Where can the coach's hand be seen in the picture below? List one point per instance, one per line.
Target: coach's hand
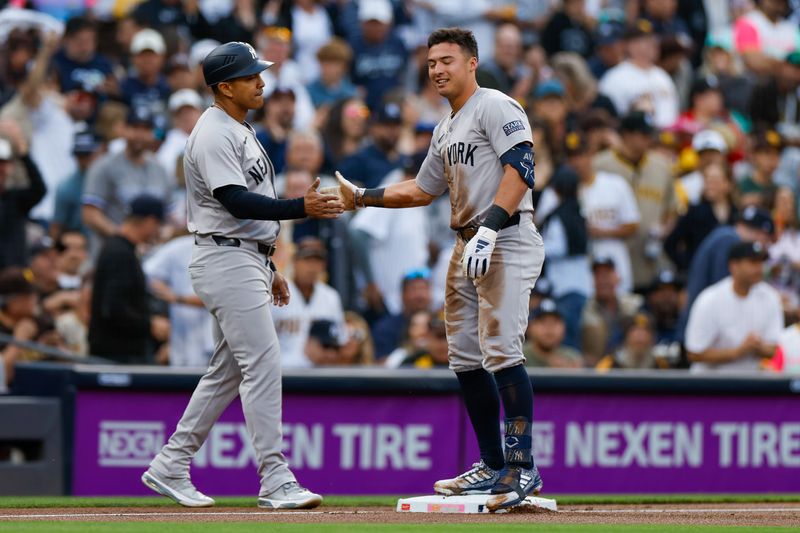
(319, 204)
(478, 253)
(280, 290)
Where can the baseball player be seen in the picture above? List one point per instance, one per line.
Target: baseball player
(483, 153)
(233, 213)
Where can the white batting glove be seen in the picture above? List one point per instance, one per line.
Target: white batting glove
(478, 253)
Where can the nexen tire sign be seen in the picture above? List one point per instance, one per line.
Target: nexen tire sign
(348, 445)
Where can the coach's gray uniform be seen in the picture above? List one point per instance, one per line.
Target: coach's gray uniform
(485, 318)
(235, 285)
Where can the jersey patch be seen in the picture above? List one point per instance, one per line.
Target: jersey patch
(511, 127)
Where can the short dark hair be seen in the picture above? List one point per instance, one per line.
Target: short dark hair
(463, 38)
(78, 24)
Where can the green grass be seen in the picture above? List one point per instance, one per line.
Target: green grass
(255, 527)
(43, 502)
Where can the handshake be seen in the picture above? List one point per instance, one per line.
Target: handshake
(330, 202)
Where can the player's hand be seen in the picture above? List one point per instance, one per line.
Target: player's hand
(319, 204)
(478, 253)
(280, 290)
(346, 192)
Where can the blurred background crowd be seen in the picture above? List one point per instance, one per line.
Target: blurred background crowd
(667, 151)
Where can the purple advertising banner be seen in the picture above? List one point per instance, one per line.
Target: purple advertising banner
(588, 443)
(664, 444)
(334, 444)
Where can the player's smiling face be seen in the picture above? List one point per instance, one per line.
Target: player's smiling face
(247, 92)
(450, 68)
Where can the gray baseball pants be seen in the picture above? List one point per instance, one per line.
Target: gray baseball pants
(236, 287)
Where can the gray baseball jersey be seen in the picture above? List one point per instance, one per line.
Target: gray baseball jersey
(235, 285)
(465, 154)
(485, 318)
(221, 151)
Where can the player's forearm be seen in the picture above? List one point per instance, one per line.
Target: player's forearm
(622, 232)
(98, 221)
(715, 355)
(244, 204)
(511, 191)
(397, 195)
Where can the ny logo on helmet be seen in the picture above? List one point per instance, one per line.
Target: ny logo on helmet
(252, 50)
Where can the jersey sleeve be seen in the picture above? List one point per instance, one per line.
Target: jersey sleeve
(97, 189)
(431, 178)
(701, 331)
(775, 319)
(745, 36)
(505, 124)
(218, 161)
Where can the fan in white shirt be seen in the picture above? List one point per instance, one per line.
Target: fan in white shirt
(736, 322)
(638, 83)
(311, 300)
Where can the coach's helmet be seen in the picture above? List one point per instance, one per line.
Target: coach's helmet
(232, 60)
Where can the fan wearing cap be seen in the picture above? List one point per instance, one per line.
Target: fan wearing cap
(544, 345)
(649, 174)
(380, 54)
(663, 303)
(275, 43)
(711, 148)
(67, 216)
(370, 165)
(605, 314)
(716, 207)
(116, 178)
(608, 203)
(18, 303)
(569, 30)
(710, 263)
(16, 203)
(638, 83)
(758, 189)
(609, 50)
(185, 107)
(636, 350)
(121, 322)
(736, 322)
(146, 86)
(313, 300)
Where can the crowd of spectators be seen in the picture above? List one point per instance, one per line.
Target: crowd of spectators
(667, 141)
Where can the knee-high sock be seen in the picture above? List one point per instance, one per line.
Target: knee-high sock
(482, 401)
(517, 395)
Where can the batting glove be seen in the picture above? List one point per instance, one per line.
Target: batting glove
(478, 253)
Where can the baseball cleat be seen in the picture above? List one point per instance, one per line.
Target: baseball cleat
(478, 480)
(515, 484)
(180, 490)
(290, 496)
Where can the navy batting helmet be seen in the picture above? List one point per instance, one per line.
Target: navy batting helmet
(232, 60)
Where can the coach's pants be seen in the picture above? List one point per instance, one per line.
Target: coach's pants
(235, 286)
(486, 318)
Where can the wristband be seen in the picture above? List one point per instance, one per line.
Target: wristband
(496, 216)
